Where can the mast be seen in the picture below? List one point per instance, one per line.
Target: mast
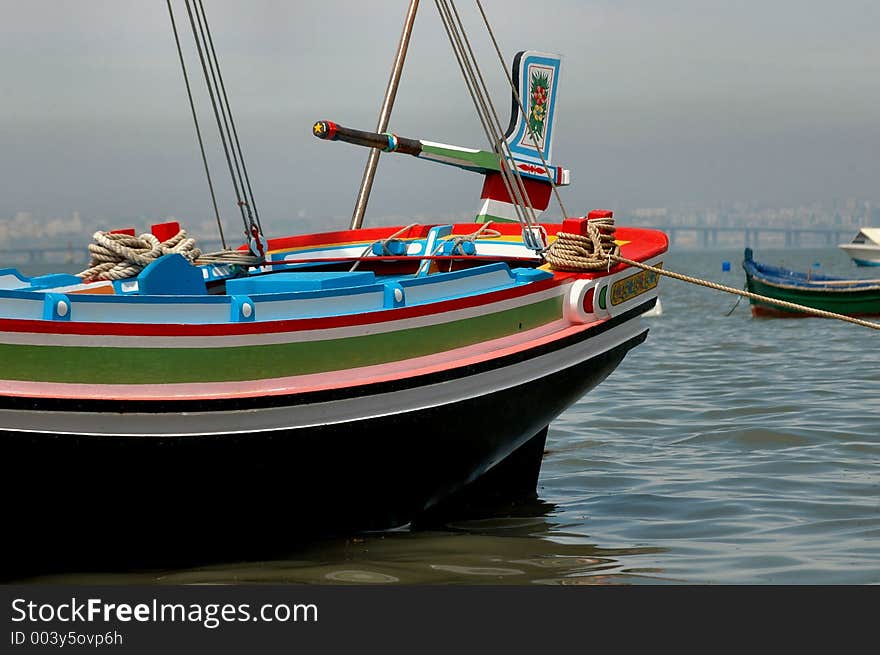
(360, 207)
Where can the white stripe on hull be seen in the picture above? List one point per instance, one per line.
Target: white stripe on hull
(228, 341)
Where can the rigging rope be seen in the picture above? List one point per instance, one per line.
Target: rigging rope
(235, 257)
(226, 110)
(486, 111)
(192, 107)
(597, 250)
(502, 145)
(522, 108)
(217, 117)
(479, 103)
(229, 140)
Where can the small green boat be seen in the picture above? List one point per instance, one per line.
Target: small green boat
(851, 297)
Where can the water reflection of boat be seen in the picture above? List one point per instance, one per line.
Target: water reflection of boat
(522, 548)
(850, 297)
(864, 249)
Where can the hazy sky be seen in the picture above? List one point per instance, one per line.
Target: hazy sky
(661, 102)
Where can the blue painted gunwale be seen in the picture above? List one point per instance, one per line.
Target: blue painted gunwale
(200, 309)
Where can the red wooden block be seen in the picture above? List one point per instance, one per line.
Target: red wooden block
(600, 213)
(575, 226)
(164, 231)
(125, 230)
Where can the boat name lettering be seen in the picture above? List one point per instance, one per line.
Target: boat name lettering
(634, 285)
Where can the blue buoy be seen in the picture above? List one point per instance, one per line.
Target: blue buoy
(725, 267)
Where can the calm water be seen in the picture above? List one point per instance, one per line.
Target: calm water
(726, 449)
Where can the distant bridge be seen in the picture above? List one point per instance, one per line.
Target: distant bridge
(708, 236)
(67, 254)
(681, 235)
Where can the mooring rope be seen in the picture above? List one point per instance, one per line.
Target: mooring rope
(746, 294)
(575, 252)
(117, 256)
(597, 251)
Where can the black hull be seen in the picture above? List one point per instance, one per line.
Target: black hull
(128, 500)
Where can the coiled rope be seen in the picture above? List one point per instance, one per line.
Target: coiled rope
(597, 251)
(117, 256)
(576, 252)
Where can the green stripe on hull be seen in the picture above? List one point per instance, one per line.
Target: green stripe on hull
(864, 303)
(94, 365)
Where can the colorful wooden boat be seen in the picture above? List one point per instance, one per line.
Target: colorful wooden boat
(850, 297)
(864, 249)
(349, 400)
(354, 380)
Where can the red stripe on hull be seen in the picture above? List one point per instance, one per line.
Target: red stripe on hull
(293, 325)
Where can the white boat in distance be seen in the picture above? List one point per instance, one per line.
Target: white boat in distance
(864, 249)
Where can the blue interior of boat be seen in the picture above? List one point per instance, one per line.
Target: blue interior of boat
(171, 275)
(172, 290)
(288, 281)
(10, 278)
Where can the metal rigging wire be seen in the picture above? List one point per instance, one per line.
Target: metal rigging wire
(502, 142)
(480, 105)
(522, 108)
(487, 113)
(196, 121)
(216, 113)
(230, 128)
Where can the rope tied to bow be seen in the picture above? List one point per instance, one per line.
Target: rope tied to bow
(597, 250)
(590, 252)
